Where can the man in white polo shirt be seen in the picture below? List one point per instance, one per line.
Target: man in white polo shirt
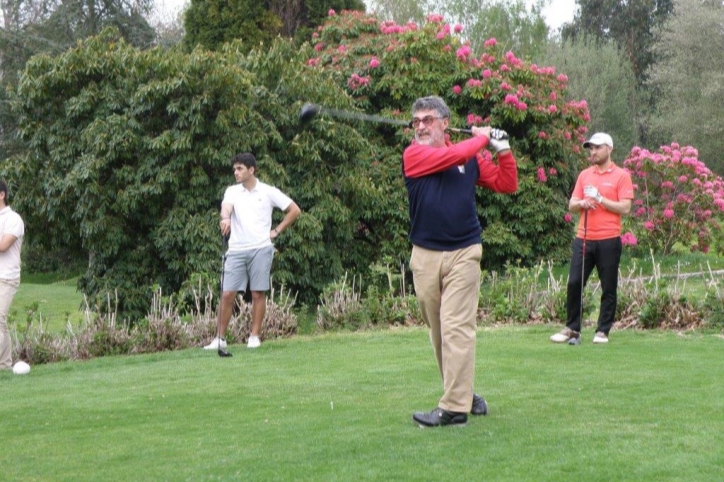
(246, 217)
(12, 230)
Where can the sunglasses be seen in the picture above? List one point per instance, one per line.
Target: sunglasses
(427, 120)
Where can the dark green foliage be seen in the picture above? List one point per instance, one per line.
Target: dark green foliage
(411, 62)
(134, 152)
(211, 23)
(129, 154)
(630, 23)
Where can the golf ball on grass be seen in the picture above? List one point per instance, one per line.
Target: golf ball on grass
(21, 368)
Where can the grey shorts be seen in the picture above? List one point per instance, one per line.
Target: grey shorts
(252, 267)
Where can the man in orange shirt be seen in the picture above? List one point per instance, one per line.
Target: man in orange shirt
(603, 193)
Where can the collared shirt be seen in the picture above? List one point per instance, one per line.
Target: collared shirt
(441, 185)
(613, 184)
(11, 223)
(251, 217)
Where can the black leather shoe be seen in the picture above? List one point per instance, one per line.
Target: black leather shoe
(439, 418)
(480, 406)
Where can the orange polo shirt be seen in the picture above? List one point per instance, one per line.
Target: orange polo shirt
(613, 184)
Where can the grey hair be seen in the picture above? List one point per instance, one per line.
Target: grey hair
(432, 103)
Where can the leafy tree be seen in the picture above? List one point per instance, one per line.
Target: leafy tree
(387, 66)
(517, 25)
(48, 26)
(211, 23)
(600, 73)
(629, 22)
(134, 147)
(688, 79)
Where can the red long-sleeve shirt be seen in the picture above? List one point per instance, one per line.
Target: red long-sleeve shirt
(441, 184)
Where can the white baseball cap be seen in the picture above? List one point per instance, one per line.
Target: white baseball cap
(599, 139)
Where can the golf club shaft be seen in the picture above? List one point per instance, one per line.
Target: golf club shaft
(376, 118)
(583, 261)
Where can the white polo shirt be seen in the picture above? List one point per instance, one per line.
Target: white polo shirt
(11, 223)
(251, 217)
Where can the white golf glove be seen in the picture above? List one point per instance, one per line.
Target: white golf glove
(499, 140)
(592, 192)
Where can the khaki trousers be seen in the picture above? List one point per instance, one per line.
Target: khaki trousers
(8, 287)
(447, 285)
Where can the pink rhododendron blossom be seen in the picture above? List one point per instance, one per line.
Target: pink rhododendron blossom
(319, 47)
(568, 217)
(463, 52)
(683, 178)
(628, 239)
(458, 28)
(668, 213)
(541, 174)
(487, 73)
(504, 68)
(435, 18)
(490, 42)
(457, 89)
(313, 62)
(374, 63)
(521, 106)
(510, 99)
(341, 49)
(542, 135)
(331, 13)
(552, 109)
(640, 212)
(562, 78)
(356, 81)
(649, 225)
(506, 86)
(553, 171)
(553, 96)
(474, 120)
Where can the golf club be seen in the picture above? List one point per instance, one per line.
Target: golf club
(577, 340)
(310, 111)
(222, 353)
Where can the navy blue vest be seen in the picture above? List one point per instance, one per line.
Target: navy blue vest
(443, 214)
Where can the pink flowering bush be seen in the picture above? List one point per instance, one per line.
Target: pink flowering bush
(679, 202)
(492, 86)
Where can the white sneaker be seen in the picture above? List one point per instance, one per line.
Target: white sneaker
(600, 338)
(214, 345)
(254, 342)
(565, 336)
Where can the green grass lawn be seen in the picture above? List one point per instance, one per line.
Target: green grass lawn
(53, 301)
(646, 407)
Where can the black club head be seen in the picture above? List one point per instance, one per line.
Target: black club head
(308, 112)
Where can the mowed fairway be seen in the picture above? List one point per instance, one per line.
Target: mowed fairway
(649, 406)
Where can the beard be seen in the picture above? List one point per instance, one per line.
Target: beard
(430, 138)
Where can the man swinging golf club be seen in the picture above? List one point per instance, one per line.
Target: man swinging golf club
(246, 217)
(602, 194)
(441, 180)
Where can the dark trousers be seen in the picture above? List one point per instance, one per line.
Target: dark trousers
(605, 256)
